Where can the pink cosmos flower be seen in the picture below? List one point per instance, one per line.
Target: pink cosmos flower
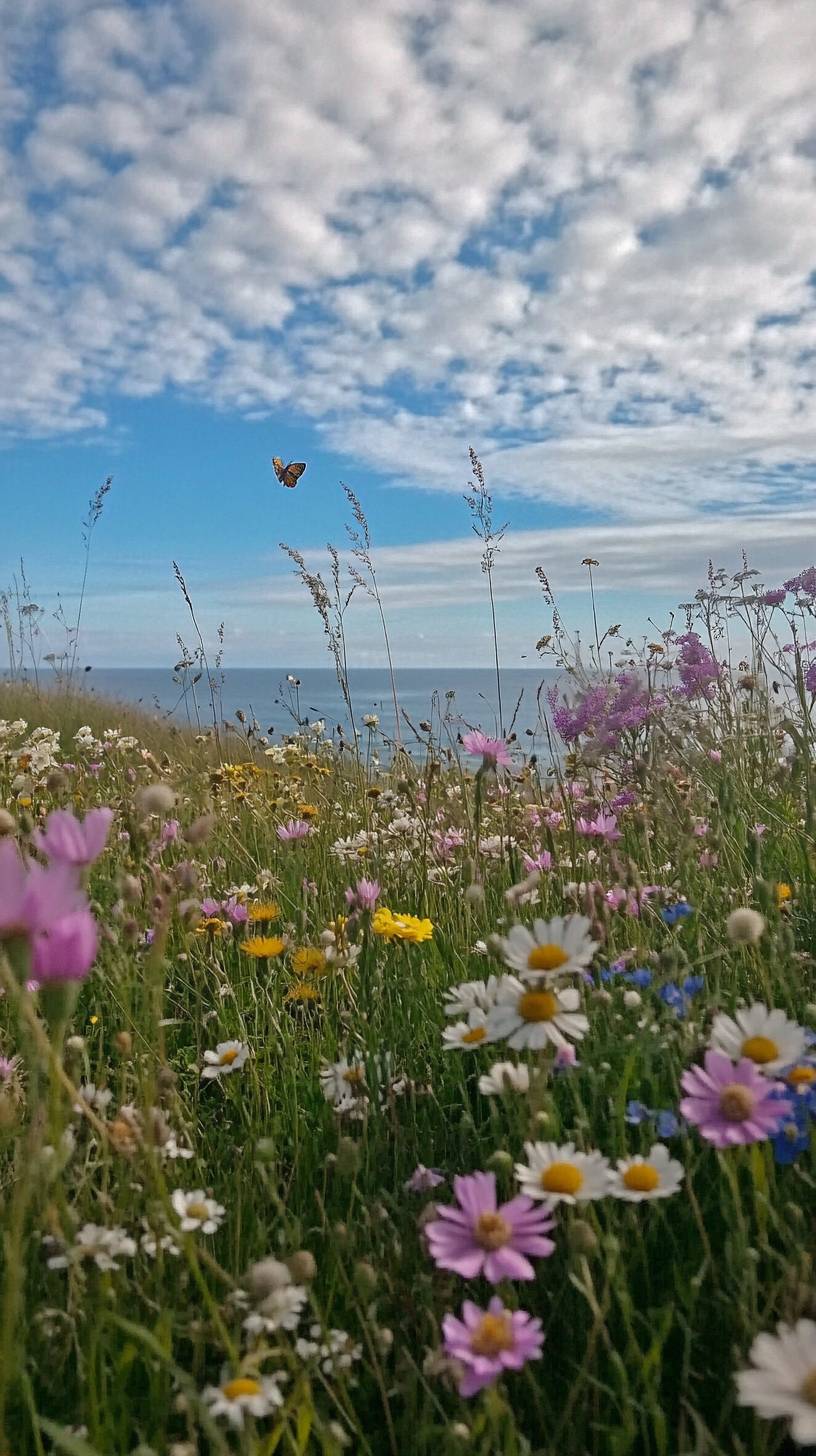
(72, 841)
(293, 830)
(488, 1342)
(364, 895)
(477, 1237)
(492, 751)
(541, 861)
(34, 896)
(732, 1103)
(423, 1179)
(67, 950)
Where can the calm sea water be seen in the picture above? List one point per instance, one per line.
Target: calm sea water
(465, 697)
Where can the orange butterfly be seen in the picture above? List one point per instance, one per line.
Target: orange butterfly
(290, 474)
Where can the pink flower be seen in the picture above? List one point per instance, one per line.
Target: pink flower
(33, 896)
(603, 826)
(69, 840)
(566, 1058)
(715, 755)
(701, 828)
(554, 819)
(235, 911)
(477, 1237)
(732, 1103)
(423, 1179)
(541, 861)
(758, 830)
(488, 1342)
(364, 896)
(294, 829)
(169, 832)
(493, 751)
(709, 859)
(67, 950)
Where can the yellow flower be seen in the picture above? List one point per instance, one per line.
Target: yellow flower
(309, 960)
(264, 910)
(212, 925)
(303, 992)
(783, 893)
(264, 947)
(308, 811)
(401, 926)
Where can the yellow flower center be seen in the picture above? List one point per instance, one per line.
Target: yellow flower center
(353, 1075)
(491, 1231)
(783, 893)
(641, 1178)
(538, 1006)
(227, 1058)
(197, 1210)
(493, 1333)
(561, 1178)
(801, 1076)
(807, 1390)
(546, 958)
(760, 1049)
(475, 1034)
(234, 1389)
(736, 1102)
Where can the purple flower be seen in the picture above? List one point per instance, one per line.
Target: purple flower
(364, 895)
(810, 678)
(732, 1103)
(541, 861)
(566, 1058)
(606, 711)
(699, 670)
(804, 584)
(715, 755)
(169, 832)
(67, 950)
(293, 830)
(774, 597)
(603, 826)
(235, 911)
(492, 751)
(423, 1179)
(72, 841)
(488, 1342)
(477, 1237)
(34, 896)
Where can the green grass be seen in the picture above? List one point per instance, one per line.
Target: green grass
(648, 1309)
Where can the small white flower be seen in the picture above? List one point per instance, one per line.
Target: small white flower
(229, 1056)
(150, 1244)
(782, 1381)
(554, 947)
(563, 1175)
(631, 1000)
(527, 1017)
(245, 1395)
(462, 999)
(343, 1080)
(197, 1211)
(280, 1310)
(658, 1175)
(467, 1035)
(505, 1077)
(172, 1148)
(336, 1352)
(94, 1243)
(767, 1038)
(92, 1096)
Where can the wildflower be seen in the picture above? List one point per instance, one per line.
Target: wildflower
(197, 1211)
(69, 840)
(562, 946)
(467, 1035)
(637, 1179)
(783, 894)
(462, 998)
(245, 1396)
(505, 1077)
(280, 1309)
(343, 1079)
(33, 897)
(745, 926)
(731, 1104)
(98, 1245)
(698, 670)
(679, 998)
(667, 1123)
(479, 1237)
(337, 1353)
(229, 1056)
(792, 1137)
(293, 830)
(485, 1343)
(565, 1058)
(302, 993)
(262, 911)
(66, 950)
(541, 861)
(531, 1018)
(782, 1380)
(636, 1113)
(92, 1096)
(766, 1038)
(401, 927)
(671, 914)
(364, 895)
(492, 751)
(155, 799)
(603, 826)
(309, 960)
(370, 720)
(632, 999)
(264, 947)
(423, 1179)
(562, 1175)
(152, 1244)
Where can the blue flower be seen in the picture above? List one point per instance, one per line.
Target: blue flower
(793, 1135)
(637, 1112)
(677, 997)
(640, 978)
(672, 913)
(667, 1124)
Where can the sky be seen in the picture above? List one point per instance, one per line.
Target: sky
(576, 235)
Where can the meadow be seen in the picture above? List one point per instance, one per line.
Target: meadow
(459, 1105)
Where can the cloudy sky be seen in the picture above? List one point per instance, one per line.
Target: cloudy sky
(579, 235)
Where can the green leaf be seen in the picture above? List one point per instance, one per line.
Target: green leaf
(64, 1441)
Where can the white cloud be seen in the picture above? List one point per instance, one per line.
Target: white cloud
(578, 234)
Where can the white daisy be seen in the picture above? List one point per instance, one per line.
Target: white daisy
(766, 1037)
(782, 1381)
(467, 1035)
(343, 1079)
(92, 1096)
(245, 1395)
(197, 1211)
(95, 1243)
(561, 946)
(526, 1017)
(658, 1175)
(563, 1175)
(505, 1077)
(228, 1057)
(463, 998)
(280, 1310)
(150, 1244)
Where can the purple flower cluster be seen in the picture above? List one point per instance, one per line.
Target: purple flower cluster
(699, 670)
(605, 712)
(804, 584)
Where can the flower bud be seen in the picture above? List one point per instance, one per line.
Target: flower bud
(302, 1266)
(266, 1276)
(123, 1042)
(582, 1237)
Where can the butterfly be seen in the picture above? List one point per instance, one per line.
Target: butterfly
(290, 474)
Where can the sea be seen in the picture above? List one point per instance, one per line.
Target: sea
(452, 700)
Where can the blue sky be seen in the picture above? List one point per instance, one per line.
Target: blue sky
(578, 236)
